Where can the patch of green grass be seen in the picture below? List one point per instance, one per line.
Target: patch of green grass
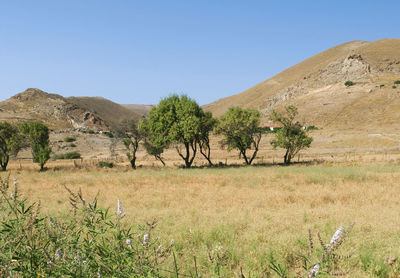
(69, 139)
(69, 155)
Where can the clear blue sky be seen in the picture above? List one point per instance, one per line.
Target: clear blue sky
(140, 51)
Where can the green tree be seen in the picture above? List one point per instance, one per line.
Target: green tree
(153, 149)
(37, 135)
(132, 136)
(292, 136)
(176, 120)
(241, 128)
(10, 143)
(207, 124)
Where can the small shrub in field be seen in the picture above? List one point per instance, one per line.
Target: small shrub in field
(69, 155)
(394, 87)
(397, 82)
(349, 83)
(69, 139)
(104, 164)
(91, 131)
(109, 134)
(72, 145)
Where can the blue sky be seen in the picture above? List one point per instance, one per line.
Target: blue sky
(141, 51)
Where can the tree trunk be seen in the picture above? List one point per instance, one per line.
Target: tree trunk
(206, 155)
(133, 162)
(158, 157)
(4, 167)
(287, 157)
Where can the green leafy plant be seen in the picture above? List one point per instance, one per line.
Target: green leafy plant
(397, 82)
(349, 83)
(69, 139)
(241, 130)
(11, 143)
(105, 164)
(292, 136)
(69, 155)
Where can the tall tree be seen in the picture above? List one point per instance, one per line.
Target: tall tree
(291, 136)
(132, 136)
(37, 135)
(155, 149)
(207, 124)
(176, 120)
(10, 143)
(241, 128)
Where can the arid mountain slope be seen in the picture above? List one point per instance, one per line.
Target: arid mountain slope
(111, 112)
(62, 113)
(141, 109)
(316, 86)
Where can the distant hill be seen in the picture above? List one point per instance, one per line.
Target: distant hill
(62, 113)
(317, 87)
(141, 109)
(111, 112)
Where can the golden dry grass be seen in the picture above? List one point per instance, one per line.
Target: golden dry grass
(250, 211)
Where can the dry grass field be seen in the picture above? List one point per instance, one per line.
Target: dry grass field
(248, 214)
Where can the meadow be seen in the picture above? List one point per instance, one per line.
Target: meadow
(253, 220)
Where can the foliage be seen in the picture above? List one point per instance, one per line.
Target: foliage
(349, 83)
(241, 128)
(207, 124)
(72, 145)
(291, 136)
(91, 242)
(69, 155)
(109, 134)
(10, 143)
(132, 136)
(37, 135)
(397, 82)
(69, 139)
(105, 164)
(176, 120)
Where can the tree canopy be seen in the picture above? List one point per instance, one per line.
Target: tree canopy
(176, 120)
(37, 135)
(291, 136)
(241, 128)
(10, 143)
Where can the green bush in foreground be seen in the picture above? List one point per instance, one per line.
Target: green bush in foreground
(93, 242)
(349, 83)
(70, 155)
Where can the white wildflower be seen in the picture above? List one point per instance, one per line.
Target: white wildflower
(15, 193)
(337, 236)
(314, 271)
(120, 211)
(129, 243)
(158, 250)
(52, 221)
(146, 239)
(59, 254)
(172, 242)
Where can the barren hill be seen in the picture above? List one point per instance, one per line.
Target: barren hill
(316, 86)
(111, 112)
(141, 109)
(61, 113)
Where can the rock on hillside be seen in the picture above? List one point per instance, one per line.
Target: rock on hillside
(316, 86)
(61, 113)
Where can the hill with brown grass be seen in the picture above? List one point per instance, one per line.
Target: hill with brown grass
(317, 87)
(63, 113)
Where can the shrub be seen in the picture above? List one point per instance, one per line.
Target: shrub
(89, 242)
(69, 155)
(394, 87)
(109, 134)
(105, 164)
(72, 145)
(397, 82)
(90, 131)
(69, 139)
(349, 83)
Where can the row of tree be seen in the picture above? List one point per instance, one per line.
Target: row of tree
(180, 122)
(14, 138)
